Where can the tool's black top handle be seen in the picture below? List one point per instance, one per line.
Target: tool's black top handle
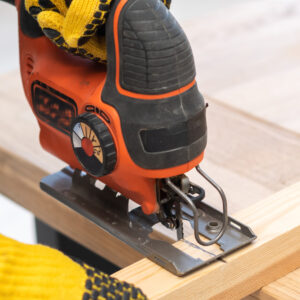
(10, 1)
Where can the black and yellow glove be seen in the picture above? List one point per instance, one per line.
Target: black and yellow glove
(41, 273)
(73, 28)
(76, 27)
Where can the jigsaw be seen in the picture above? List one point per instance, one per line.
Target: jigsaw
(137, 125)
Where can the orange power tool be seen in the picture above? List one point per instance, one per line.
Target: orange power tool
(137, 125)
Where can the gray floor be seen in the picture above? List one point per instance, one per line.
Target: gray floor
(15, 221)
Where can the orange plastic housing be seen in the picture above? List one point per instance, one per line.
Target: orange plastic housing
(83, 80)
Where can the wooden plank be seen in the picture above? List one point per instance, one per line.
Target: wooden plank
(247, 56)
(19, 180)
(286, 288)
(275, 253)
(259, 150)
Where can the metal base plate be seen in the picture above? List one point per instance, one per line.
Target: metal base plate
(110, 211)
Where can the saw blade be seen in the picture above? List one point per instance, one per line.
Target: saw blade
(180, 232)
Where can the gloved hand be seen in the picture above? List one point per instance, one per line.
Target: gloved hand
(41, 273)
(75, 28)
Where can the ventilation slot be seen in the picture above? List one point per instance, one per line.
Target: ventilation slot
(29, 65)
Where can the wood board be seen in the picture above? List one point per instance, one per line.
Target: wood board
(286, 288)
(275, 253)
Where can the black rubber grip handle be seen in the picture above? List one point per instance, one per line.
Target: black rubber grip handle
(9, 1)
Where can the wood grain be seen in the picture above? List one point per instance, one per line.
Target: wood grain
(286, 288)
(275, 253)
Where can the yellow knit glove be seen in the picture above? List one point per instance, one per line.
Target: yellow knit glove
(41, 273)
(75, 28)
(167, 3)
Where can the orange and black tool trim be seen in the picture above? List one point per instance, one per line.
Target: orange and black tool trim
(146, 98)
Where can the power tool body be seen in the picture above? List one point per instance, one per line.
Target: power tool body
(137, 125)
